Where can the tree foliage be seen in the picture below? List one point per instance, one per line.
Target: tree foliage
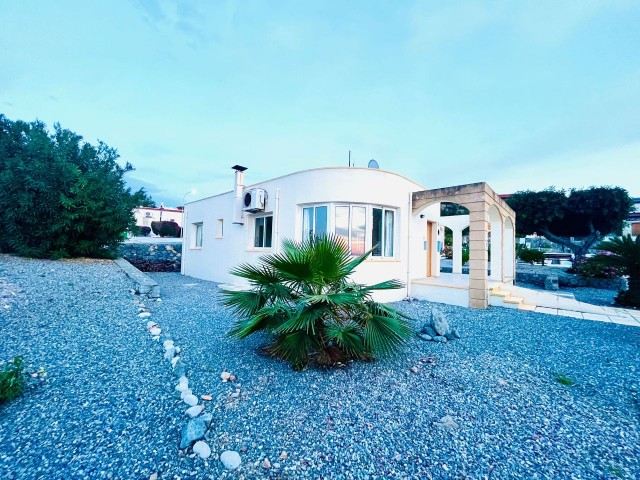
(304, 298)
(588, 214)
(61, 196)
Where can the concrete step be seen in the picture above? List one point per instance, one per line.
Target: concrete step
(526, 307)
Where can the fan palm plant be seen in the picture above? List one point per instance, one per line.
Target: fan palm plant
(304, 298)
(624, 253)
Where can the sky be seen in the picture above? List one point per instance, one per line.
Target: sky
(519, 94)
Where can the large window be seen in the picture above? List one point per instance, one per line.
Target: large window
(262, 232)
(351, 226)
(314, 222)
(382, 231)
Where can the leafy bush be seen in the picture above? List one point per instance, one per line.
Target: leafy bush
(12, 380)
(61, 196)
(145, 231)
(597, 267)
(166, 229)
(623, 253)
(531, 255)
(304, 298)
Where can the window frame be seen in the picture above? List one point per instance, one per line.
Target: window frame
(197, 240)
(254, 237)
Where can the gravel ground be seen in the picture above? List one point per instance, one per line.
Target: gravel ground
(109, 408)
(106, 409)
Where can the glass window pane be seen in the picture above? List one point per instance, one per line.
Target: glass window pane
(259, 232)
(388, 233)
(358, 232)
(267, 231)
(307, 223)
(376, 232)
(321, 221)
(342, 224)
(198, 235)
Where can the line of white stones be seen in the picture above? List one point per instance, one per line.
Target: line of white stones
(229, 458)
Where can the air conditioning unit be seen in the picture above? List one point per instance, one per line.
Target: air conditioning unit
(147, 214)
(254, 200)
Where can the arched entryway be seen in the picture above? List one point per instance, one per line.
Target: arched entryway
(487, 213)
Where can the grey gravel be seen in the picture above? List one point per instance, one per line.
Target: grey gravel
(495, 389)
(106, 409)
(377, 420)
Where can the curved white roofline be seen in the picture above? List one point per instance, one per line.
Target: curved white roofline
(313, 170)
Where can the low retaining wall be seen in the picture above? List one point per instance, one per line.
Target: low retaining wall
(536, 275)
(153, 257)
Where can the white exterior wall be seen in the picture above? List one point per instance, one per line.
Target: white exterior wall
(286, 197)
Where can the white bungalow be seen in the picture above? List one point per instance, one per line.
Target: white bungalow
(369, 208)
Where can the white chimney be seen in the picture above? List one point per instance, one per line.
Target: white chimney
(238, 189)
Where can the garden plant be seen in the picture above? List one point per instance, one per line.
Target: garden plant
(304, 298)
(624, 255)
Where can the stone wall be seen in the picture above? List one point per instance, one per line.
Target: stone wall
(153, 257)
(537, 274)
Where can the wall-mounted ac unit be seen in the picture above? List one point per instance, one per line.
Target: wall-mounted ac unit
(254, 200)
(147, 214)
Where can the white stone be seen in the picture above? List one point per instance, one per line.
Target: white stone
(230, 459)
(167, 344)
(169, 354)
(183, 379)
(181, 387)
(194, 411)
(155, 331)
(151, 324)
(201, 449)
(144, 314)
(225, 376)
(186, 392)
(190, 400)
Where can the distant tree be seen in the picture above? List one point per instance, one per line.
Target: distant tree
(586, 215)
(143, 199)
(59, 195)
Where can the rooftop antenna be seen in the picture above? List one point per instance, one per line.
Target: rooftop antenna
(373, 164)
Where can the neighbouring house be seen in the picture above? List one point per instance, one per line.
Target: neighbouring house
(145, 215)
(633, 219)
(370, 209)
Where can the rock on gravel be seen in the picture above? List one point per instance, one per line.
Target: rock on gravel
(230, 459)
(194, 430)
(201, 449)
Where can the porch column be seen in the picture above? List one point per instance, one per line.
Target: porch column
(478, 256)
(457, 250)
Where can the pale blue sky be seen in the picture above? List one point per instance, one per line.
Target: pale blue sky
(520, 94)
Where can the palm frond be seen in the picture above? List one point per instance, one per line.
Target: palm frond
(295, 348)
(348, 337)
(256, 274)
(386, 285)
(384, 332)
(303, 317)
(244, 302)
(267, 318)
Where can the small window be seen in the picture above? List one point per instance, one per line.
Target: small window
(314, 222)
(220, 228)
(382, 232)
(635, 229)
(262, 232)
(197, 235)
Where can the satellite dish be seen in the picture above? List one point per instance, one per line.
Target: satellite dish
(373, 164)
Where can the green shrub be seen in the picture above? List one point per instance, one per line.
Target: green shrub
(166, 229)
(12, 380)
(597, 267)
(61, 196)
(531, 255)
(623, 254)
(305, 300)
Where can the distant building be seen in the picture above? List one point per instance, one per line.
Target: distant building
(634, 219)
(145, 215)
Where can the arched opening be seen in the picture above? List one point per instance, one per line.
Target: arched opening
(455, 218)
(495, 244)
(509, 255)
